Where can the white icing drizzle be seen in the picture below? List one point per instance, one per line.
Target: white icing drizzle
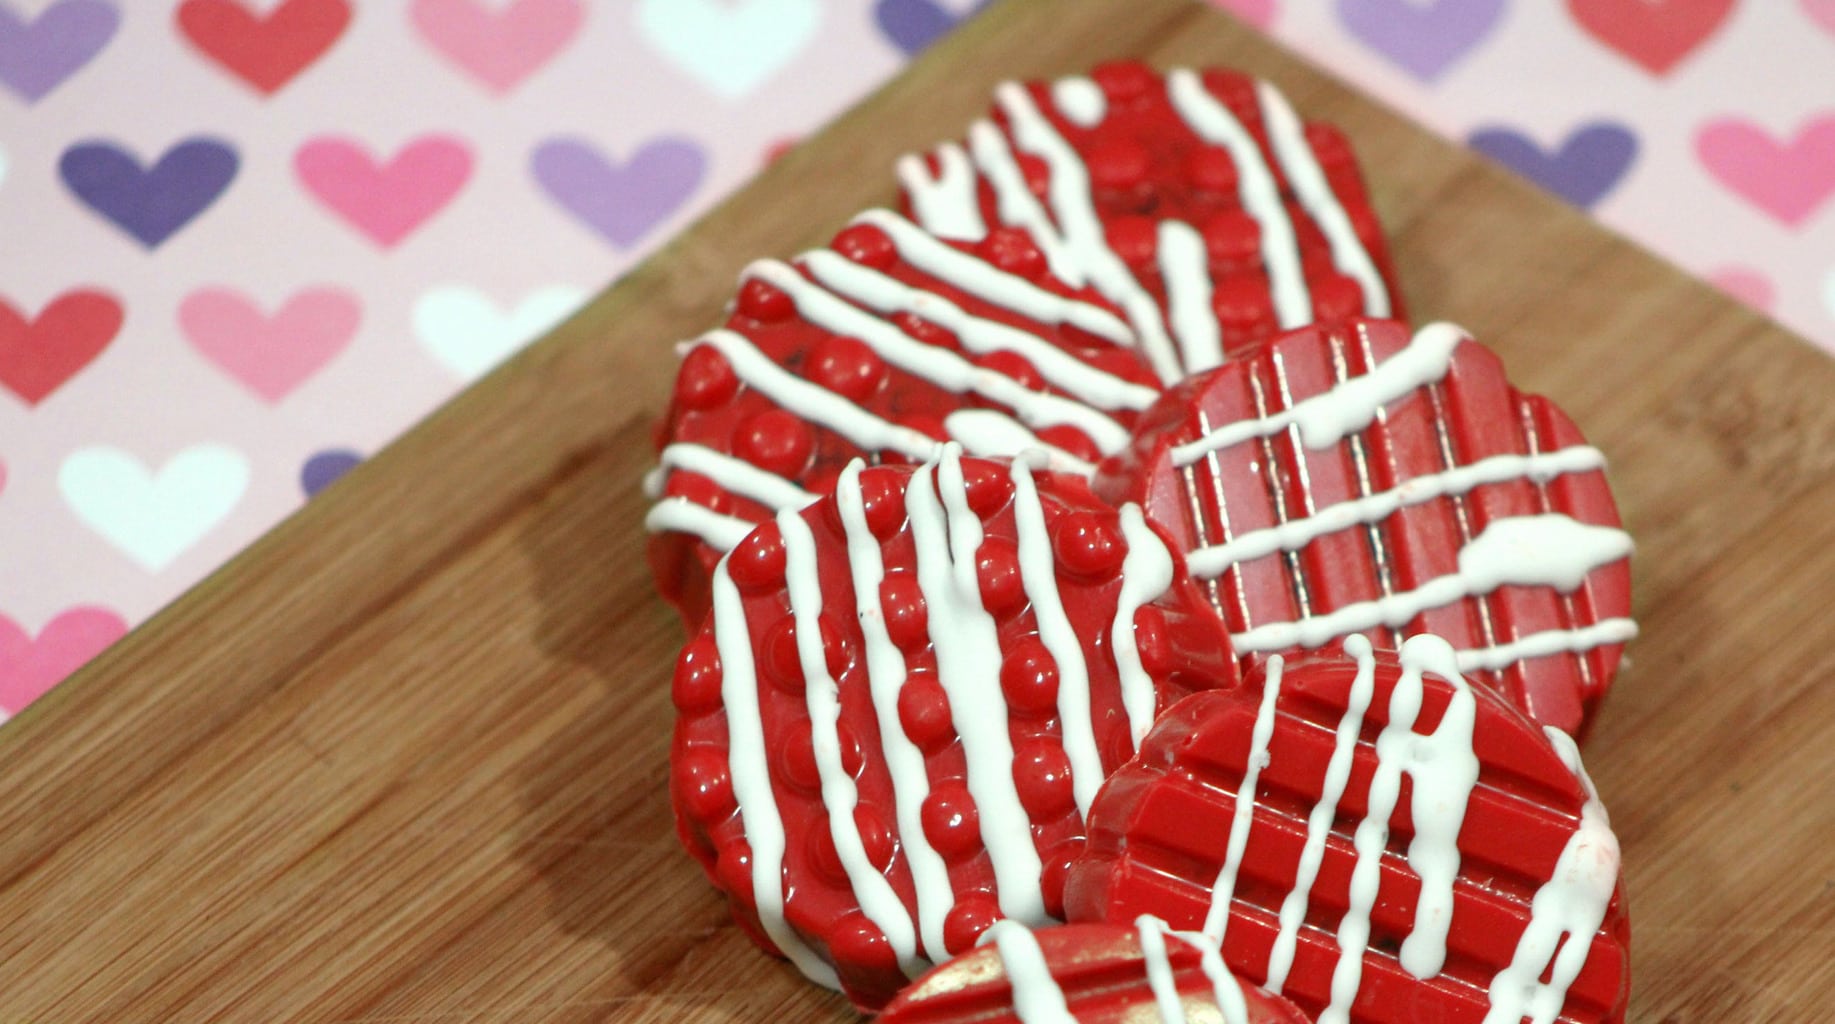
(1146, 573)
(1038, 573)
(1186, 268)
(940, 366)
(1037, 998)
(1160, 978)
(750, 769)
(1016, 204)
(680, 515)
(1080, 101)
(1572, 904)
(1547, 642)
(1224, 986)
(1223, 891)
(1227, 991)
(1325, 419)
(731, 473)
(1324, 812)
(1444, 770)
(1295, 534)
(981, 336)
(1550, 549)
(886, 673)
(1072, 203)
(815, 403)
(1288, 138)
(947, 534)
(988, 433)
(982, 279)
(1257, 189)
(944, 202)
(872, 892)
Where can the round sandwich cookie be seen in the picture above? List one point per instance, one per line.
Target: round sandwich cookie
(1375, 838)
(1089, 973)
(901, 706)
(1197, 201)
(882, 346)
(1361, 478)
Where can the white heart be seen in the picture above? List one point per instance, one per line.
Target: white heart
(732, 47)
(1828, 292)
(469, 334)
(153, 517)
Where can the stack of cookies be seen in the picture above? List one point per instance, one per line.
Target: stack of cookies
(1106, 606)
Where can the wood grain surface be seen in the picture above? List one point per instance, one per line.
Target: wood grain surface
(404, 759)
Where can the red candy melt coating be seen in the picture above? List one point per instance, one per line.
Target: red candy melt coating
(1470, 414)
(1146, 165)
(714, 407)
(1160, 829)
(1099, 969)
(1181, 644)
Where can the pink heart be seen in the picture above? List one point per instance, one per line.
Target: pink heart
(389, 201)
(1259, 13)
(1745, 284)
(1822, 12)
(1787, 180)
(29, 667)
(272, 355)
(498, 47)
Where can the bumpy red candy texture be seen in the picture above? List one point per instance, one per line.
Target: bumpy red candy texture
(832, 378)
(1381, 483)
(1190, 149)
(1099, 973)
(971, 706)
(1161, 841)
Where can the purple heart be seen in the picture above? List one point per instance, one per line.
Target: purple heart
(153, 203)
(1425, 39)
(912, 25)
(324, 469)
(37, 55)
(620, 202)
(1582, 171)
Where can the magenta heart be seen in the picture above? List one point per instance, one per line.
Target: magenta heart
(385, 201)
(1424, 38)
(1260, 13)
(272, 355)
(499, 47)
(622, 202)
(1788, 180)
(29, 667)
(1822, 12)
(37, 55)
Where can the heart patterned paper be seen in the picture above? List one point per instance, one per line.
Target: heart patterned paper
(587, 133)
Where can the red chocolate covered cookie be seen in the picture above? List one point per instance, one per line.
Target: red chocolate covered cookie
(905, 699)
(1197, 202)
(1374, 838)
(1355, 479)
(882, 347)
(1089, 973)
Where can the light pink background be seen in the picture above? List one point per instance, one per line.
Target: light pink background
(151, 395)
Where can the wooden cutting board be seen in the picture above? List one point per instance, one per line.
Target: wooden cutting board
(404, 760)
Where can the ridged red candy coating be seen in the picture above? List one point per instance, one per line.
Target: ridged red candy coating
(1160, 835)
(1101, 973)
(1187, 148)
(1428, 473)
(740, 441)
(925, 710)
